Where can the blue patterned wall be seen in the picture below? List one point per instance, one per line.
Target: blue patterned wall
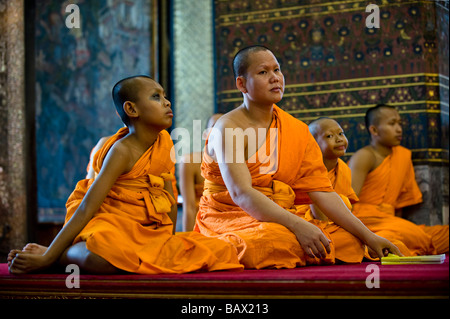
(75, 71)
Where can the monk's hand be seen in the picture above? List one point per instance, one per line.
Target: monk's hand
(312, 239)
(382, 247)
(23, 262)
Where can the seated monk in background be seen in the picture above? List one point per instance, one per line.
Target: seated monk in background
(191, 181)
(253, 185)
(333, 143)
(383, 178)
(123, 219)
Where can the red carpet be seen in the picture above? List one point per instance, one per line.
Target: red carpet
(337, 281)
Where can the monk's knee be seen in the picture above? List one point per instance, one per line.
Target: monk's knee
(88, 261)
(95, 264)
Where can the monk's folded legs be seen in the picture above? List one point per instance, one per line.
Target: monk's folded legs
(88, 261)
(439, 237)
(348, 248)
(401, 232)
(270, 245)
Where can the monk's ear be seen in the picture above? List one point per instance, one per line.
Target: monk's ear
(241, 84)
(130, 109)
(373, 130)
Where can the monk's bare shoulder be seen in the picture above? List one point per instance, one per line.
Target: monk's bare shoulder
(217, 145)
(126, 151)
(364, 159)
(232, 119)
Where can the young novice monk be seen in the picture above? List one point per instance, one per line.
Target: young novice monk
(250, 196)
(333, 143)
(383, 178)
(124, 218)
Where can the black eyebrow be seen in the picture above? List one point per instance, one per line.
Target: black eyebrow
(159, 90)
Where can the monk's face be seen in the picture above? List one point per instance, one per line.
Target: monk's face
(331, 139)
(152, 104)
(389, 129)
(264, 81)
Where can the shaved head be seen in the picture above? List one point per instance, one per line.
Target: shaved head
(127, 90)
(373, 114)
(315, 125)
(241, 60)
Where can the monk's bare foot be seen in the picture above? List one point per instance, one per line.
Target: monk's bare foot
(35, 249)
(12, 255)
(30, 248)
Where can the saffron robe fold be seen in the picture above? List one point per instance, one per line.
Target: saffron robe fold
(285, 169)
(172, 171)
(391, 186)
(341, 180)
(132, 229)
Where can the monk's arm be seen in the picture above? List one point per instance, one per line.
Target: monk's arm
(115, 163)
(334, 208)
(187, 190)
(173, 211)
(238, 181)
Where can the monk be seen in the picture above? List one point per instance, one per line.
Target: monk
(123, 219)
(383, 178)
(259, 163)
(333, 143)
(191, 181)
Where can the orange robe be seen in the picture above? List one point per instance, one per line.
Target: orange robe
(172, 171)
(341, 180)
(132, 229)
(292, 168)
(391, 186)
